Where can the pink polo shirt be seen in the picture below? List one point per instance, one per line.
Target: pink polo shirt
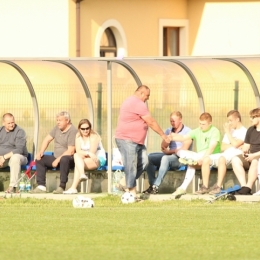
(130, 125)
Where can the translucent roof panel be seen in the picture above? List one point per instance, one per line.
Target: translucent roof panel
(57, 88)
(218, 81)
(171, 90)
(15, 98)
(253, 65)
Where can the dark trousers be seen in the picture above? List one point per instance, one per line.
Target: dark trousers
(66, 163)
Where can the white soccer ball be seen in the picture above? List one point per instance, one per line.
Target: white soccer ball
(83, 202)
(127, 198)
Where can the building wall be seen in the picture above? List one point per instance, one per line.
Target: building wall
(223, 27)
(139, 20)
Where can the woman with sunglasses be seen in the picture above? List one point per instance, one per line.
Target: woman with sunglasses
(89, 155)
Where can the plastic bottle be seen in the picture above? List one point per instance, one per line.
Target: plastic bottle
(28, 186)
(22, 183)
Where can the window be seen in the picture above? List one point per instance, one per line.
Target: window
(108, 44)
(171, 41)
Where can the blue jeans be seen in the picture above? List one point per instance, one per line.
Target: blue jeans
(163, 163)
(134, 158)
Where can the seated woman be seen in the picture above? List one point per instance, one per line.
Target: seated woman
(89, 155)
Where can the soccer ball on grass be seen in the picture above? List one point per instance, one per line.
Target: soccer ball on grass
(127, 198)
(83, 202)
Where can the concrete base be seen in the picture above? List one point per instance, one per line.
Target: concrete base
(98, 181)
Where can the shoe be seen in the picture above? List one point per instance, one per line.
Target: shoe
(83, 177)
(70, 191)
(37, 190)
(243, 191)
(202, 190)
(178, 193)
(183, 161)
(11, 189)
(215, 189)
(155, 190)
(148, 191)
(58, 191)
(257, 193)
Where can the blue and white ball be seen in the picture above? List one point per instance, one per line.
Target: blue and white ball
(83, 202)
(127, 198)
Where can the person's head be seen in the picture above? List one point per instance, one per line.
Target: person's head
(205, 121)
(84, 127)
(143, 92)
(176, 119)
(234, 118)
(63, 120)
(8, 122)
(255, 116)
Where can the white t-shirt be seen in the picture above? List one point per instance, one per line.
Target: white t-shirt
(239, 134)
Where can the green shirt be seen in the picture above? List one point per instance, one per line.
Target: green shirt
(204, 138)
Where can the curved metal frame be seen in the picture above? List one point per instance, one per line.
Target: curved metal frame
(194, 81)
(129, 68)
(84, 85)
(249, 76)
(34, 101)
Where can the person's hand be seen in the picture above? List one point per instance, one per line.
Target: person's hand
(249, 157)
(39, 155)
(166, 151)
(55, 163)
(227, 127)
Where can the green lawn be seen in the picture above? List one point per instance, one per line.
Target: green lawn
(50, 229)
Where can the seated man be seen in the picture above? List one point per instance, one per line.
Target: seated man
(12, 149)
(168, 158)
(234, 138)
(207, 139)
(251, 154)
(64, 135)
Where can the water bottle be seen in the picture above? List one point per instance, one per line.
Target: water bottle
(28, 186)
(22, 183)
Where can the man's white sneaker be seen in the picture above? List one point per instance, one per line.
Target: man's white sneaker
(70, 191)
(257, 193)
(178, 193)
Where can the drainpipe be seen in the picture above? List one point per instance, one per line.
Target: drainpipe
(78, 28)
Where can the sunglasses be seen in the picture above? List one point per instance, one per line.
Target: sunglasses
(252, 117)
(83, 129)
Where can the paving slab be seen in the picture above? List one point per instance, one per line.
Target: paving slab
(51, 195)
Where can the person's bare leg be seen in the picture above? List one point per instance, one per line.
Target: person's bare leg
(252, 173)
(205, 171)
(239, 170)
(222, 169)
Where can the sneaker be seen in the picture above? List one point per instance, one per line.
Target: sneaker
(178, 193)
(83, 177)
(155, 190)
(148, 191)
(257, 193)
(202, 190)
(38, 190)
(58, 191)
(183, 161)
(215, 189)
(11, 189)
(243, 191)
(70, 191)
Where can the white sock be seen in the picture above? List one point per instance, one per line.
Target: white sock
(188, 177)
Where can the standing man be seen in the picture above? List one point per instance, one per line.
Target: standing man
(250, 156)
(207, 139)
(168, 158)
(13, 149)
(133, 122)
(63, 134)
(234, 138)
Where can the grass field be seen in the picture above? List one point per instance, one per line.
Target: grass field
(51, 229)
